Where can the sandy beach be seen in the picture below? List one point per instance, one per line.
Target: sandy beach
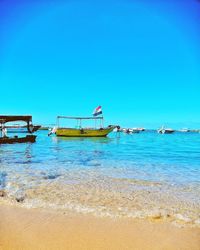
(28, 229)
(99, 125)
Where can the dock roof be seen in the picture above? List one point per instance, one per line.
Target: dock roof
(13, 118)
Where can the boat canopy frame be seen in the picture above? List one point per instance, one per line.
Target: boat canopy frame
(13, 118)
(79, 120)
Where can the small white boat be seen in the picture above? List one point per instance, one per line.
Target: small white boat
(163, 130)
(129, 130)
(184, 130)
(141, 129)
(135, 130)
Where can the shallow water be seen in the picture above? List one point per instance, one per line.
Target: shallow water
(138, 175)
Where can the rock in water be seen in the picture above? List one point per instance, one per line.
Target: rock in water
(2, 193)
(20, 198)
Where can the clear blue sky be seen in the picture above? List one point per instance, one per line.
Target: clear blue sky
(139, 60)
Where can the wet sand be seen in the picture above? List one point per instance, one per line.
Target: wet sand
(27, 229)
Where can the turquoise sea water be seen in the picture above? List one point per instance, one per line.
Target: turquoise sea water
(138, 175)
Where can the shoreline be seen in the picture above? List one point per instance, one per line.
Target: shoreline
(107, 209)
(90, 199)
(23, 228)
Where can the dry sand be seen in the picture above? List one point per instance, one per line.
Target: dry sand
(27, 229)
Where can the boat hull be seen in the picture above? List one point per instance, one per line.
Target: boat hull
(166, 131)
(8, 140)
(70, 132)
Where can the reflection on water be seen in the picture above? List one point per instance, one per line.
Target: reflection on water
(131, 175)
(83, 140)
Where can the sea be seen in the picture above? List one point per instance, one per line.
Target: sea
(145, 175)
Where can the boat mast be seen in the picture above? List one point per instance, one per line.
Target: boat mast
(57, 121)
(102, 121)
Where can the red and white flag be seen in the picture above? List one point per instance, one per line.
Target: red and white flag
(97, 111)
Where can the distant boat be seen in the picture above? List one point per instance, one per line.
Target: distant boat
(21, 129)
(135, 130)
(129, 130)
(184, 130)
(83, 131)
(163, 130)
(141, 129)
